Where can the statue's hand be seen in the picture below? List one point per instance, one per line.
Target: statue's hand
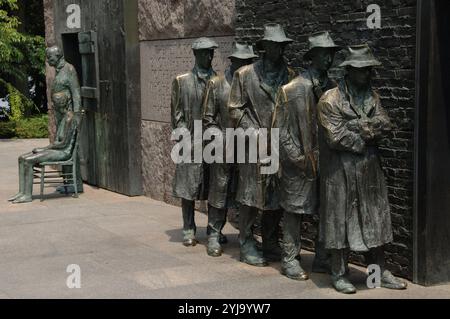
(354, 126)
(366, 130)
(38, 150)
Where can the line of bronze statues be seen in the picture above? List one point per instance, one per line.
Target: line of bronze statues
(329, 159)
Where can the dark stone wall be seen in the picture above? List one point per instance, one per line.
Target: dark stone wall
(394, 44)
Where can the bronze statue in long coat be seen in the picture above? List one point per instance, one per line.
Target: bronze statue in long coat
(222, 176)
(355, 213)
(296, 117)
(251, 105)
(190, 182)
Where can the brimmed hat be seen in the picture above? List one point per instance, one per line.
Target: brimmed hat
(204, 43)
(320, 40)
(242, 51)
(275, 33)
(360, 56)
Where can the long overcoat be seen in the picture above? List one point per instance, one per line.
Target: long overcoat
(354, 208)
(222, 176)
(252, 104)
(188, 89)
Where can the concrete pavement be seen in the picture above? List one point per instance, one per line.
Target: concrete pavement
(131, 248)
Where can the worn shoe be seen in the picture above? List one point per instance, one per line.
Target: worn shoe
(294, 271)
(214, 249)
(12, 199)
(189, 238)
(23, 199)
(390, 282)
(251, 255)
(70, 189)
(343, 285)
(223, 239)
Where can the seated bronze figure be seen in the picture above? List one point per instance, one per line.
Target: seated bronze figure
(60, 150)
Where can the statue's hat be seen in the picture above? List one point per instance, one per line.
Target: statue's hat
(242, 51)
(204, 44)
(320, 40)
(360, 56)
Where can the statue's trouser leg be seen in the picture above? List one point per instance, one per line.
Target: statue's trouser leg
(321, 261)
(249, 252)
(247, 218)
(216, 219)
(375, 256)
(338, 262)
(188, 209)
(270, 232)
(28, 179)
(21, 174)
(291, 226)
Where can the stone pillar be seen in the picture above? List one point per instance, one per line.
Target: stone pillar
(166, 31)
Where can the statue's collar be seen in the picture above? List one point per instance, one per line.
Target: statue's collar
(60, 65)
(202, 75)
(281, 77)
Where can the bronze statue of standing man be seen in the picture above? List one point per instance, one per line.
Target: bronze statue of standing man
(222, 176)
(296, 117)
(251, 105)
(355, 212)
(187, 106)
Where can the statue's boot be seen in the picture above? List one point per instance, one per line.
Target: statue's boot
(291, 244)
(339, 268)
(376, 256)
(216, 221)
(293, 270)
(249, 252)
(189, 238)
(270, 223)
(343, 285)
(321, 263)
(390, 282)
(222, 238)
(189, 228)
(18, 195)
(23, 199)
(214, 249)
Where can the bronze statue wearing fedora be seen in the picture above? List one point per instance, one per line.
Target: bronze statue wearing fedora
(186, 107)
(296, 117)
(354, 209)
(251, 105)
(222, 176)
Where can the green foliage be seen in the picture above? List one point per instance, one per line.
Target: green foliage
(33, 127)
(19, 103)
(7, 129)
(21, 55)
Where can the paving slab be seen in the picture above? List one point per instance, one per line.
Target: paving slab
(131, 248)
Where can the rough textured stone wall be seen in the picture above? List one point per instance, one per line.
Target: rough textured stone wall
(166, 31)
(394, 45)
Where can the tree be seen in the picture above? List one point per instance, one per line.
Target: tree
(21, 56)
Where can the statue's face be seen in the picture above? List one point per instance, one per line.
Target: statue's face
(53, 58)
(322, 58)
(204, 58)
(239, 63)
(274, 51)
(360, 76)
